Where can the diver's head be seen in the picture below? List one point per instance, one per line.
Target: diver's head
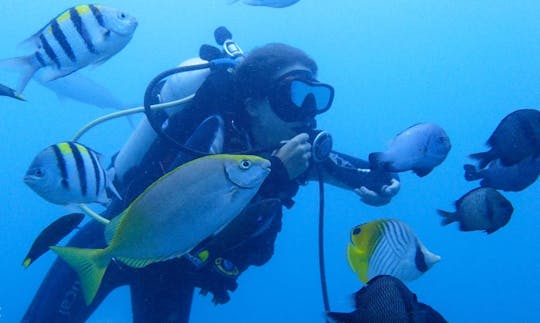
(281, 96)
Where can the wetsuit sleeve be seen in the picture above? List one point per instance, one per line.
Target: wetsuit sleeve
(351, 173)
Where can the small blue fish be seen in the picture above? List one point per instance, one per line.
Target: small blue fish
(507, 178)
(80, 36)
(419, 148)
(268, 3)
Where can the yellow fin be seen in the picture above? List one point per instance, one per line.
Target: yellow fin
(136, 263)
(359, 262)
(88, 264)
(111, 227)
(27, 262)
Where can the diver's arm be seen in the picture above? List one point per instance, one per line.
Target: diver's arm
(341, 170)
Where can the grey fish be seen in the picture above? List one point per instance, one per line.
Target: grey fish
(268, 3)
(507, 178)
(80, 36)
(482, 208)
(419, 148)
(516, 137)
(7, 91)
(386, 299)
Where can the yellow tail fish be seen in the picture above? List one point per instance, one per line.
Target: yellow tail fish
(173, 215)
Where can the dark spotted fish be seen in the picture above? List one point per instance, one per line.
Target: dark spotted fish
(516, 138)
(482, 208)
(507, 178)
(387, 299)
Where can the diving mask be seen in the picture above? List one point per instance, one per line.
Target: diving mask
(298, 96)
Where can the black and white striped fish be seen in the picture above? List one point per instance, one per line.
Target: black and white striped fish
(388, 247)
(80, 36)
(69, 173)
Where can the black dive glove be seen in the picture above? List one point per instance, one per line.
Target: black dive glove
(217, 276)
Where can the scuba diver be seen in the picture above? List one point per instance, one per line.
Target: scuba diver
(264, 104)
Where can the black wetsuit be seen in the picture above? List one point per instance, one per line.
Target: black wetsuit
(163, 292)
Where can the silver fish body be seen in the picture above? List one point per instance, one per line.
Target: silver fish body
(419, 148)
(80, 36)
(482, 208)
(69, 173)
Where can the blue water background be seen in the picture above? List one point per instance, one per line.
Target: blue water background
(461, 64)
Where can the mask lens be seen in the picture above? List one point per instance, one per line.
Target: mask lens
(312, 96)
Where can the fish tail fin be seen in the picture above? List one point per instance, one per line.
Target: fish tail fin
(89, 265)
(483, 158)
(24, 65)
(339, 317)
(471, 174)
(448, 217)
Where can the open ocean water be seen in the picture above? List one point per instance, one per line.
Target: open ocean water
(461, 64)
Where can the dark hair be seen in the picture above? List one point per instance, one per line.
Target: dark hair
(256, 72)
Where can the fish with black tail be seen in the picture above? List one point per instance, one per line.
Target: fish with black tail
(70, 173)
(482, 208)
(507, 178)
(386, 299)
(7, 91)
(516, 138)
(51, 235)
(80, 36)
(419, 148)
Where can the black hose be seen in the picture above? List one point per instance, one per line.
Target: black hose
(322, 270)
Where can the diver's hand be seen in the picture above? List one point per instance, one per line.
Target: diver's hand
(295, 155)
(377, 199)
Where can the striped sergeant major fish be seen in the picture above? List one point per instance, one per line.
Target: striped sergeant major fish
(80, 36)
(69, 173)
(388, 247)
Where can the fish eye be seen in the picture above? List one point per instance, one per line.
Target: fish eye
(245, 164)
(38, 172)
(122, 15)
(356, 231)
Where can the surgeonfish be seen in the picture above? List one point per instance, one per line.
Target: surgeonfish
(51, 235)
(80, 36)
(7, 91)
(388, 247)
(172, 216)
(387, 299)
(516, 138)
(268, 3)
(70, 173)
(419, 148)
(507, 178)
(482, 208)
